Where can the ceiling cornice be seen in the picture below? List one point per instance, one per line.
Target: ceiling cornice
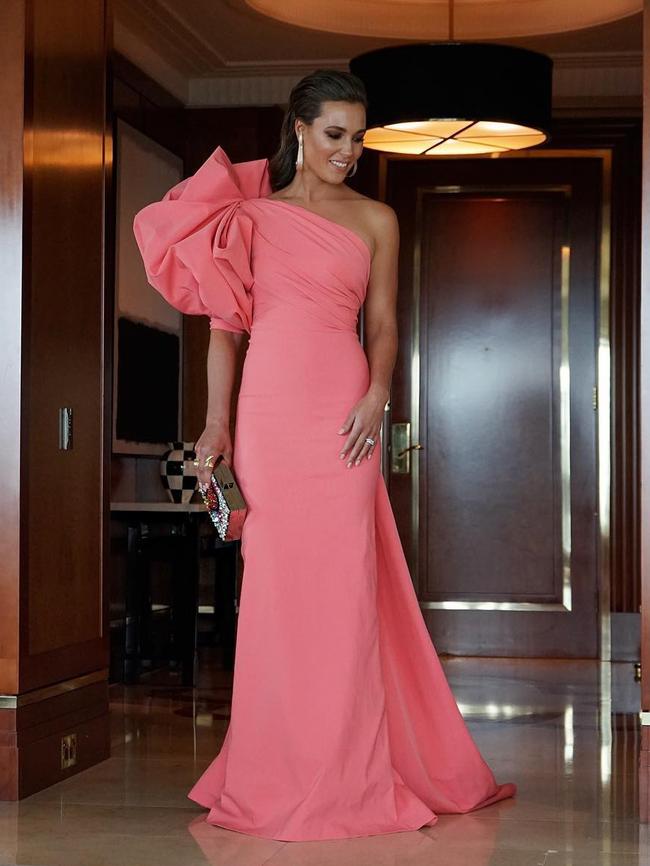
(603, 79)
(151, 62)
(163, 31)
(595, 60)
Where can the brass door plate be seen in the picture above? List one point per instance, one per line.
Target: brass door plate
(400, 439)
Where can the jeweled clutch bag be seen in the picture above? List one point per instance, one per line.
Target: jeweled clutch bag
(224, 501)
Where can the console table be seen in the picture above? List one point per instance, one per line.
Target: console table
(166, 532)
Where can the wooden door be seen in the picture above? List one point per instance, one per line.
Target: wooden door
(498, 306)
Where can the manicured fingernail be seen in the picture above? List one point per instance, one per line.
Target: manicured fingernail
(369, 455)
(341, 455)
(357, 461)
(349, 464)
(342, 429)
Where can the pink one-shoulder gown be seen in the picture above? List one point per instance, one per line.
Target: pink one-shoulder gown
(342, 723)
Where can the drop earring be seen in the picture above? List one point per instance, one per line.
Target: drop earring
(354, 170)
(301, 156)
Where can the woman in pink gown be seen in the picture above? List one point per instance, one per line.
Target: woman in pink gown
(342, 722)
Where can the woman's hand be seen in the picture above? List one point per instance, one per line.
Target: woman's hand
(214, 440)
(363, 420)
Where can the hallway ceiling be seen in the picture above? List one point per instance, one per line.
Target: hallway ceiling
(194, 47)
(217, 37)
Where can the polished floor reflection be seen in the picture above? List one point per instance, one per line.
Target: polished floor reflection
(566, 732)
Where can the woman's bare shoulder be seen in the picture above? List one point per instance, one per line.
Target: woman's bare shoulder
(375, 219)
(375, 209)
(380, 219)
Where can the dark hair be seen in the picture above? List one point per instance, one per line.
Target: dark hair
(305, 101)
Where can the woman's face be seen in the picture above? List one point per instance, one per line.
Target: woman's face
(334, 141)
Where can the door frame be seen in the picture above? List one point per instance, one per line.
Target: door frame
(602, 396)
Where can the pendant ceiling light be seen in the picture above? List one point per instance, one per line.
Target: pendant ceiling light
(455, 98)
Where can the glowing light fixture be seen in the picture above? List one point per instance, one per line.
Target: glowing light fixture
(426, 20)
(455, 98)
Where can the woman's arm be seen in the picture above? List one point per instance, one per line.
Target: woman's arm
(223, 352)
(380, 327)
(380, 317)
(222, 361)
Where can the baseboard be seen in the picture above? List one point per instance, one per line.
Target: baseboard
(70, 721)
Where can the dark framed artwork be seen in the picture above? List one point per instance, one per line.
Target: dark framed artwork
(148, 378)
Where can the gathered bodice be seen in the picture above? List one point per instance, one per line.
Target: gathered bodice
(307, 270)
(217, 245)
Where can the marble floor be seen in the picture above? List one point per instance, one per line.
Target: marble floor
(566, 732)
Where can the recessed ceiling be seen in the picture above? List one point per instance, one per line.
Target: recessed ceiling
(429, 19)
(222, 52)
(208, 38)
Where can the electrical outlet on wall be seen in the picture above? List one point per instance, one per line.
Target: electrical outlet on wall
(68, 751)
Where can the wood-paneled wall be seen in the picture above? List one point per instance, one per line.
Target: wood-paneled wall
(12, 49)
(644, 392)
(622, 137)
(54, 649)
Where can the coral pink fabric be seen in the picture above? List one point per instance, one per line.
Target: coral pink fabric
(343, 723)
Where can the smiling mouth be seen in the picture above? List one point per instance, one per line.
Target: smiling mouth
(338, 164)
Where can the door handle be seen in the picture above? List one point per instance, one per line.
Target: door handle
(400, 463)
(417, 447)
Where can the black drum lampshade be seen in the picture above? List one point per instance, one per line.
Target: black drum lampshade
(455, 98)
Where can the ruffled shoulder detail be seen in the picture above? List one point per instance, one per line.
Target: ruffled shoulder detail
(196, 241)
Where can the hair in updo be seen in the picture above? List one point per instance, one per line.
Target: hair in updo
(305, 101)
